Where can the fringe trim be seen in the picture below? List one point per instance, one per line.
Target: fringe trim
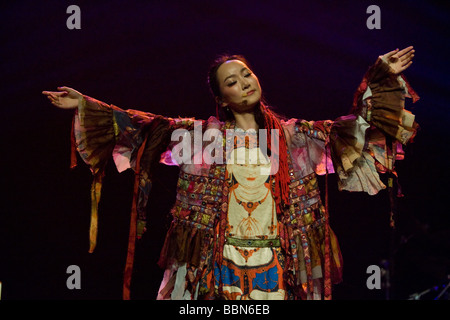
(133, 226)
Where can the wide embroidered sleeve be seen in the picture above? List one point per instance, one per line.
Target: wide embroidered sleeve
(132, 138)
(368, 141)
(102, 131)
(362, 144)
(94, 133)
(135, 140)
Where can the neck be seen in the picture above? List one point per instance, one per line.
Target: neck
(246, 120)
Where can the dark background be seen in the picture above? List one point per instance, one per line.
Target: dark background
(153, 56)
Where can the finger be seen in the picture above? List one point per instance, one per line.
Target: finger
(406, 53)
(404, 63)
(55, 102)
(52, 96)
(403, 51)
(67, 89)
(54, 93)
(405, 66)
(390, 54)
(49, 93)
(408, 56)
(57, 95)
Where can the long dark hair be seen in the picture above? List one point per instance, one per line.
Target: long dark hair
(265, 117)
(225, 114)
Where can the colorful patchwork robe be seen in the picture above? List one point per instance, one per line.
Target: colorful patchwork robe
(357, 147)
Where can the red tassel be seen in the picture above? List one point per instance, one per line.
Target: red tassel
(133, 224)
(73, 145)
(415, 97)
(282, 175)
(361, 89)
(327, 276)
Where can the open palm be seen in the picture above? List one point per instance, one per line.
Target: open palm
(399, 60)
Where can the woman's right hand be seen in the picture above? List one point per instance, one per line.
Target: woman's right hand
(65, 98)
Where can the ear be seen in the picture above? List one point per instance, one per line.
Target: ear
(221, 103)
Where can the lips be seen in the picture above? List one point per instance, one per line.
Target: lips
(249, 93)
(251, 179)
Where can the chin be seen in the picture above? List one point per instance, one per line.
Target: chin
(249, 107)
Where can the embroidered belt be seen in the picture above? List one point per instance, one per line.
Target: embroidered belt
(255, 243)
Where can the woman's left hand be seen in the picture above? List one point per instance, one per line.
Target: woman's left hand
(399, 60)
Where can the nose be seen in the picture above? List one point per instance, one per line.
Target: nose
(244, 84)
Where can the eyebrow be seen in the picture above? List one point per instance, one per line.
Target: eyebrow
(233, 75)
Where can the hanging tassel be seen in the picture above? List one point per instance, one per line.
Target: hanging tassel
(391, 201)
(73, 145)
(282, 175)
(327, 276)
(133, 226)
(390, 151)
(415, 97)
(96, 188)
(399, 187)
(359, 92)
(219, 241)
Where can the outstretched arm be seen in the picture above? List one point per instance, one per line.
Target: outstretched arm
(379, 115)
(101, 131)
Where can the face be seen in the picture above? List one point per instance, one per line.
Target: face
(239, 87)
(247, 167)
